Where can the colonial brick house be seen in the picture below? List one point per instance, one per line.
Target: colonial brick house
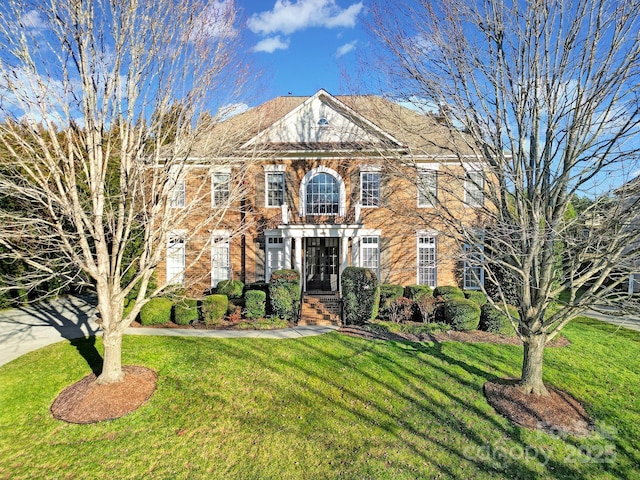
(322, 183)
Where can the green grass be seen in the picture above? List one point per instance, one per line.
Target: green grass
(331, 406)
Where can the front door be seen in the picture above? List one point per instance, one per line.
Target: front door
(321, 259)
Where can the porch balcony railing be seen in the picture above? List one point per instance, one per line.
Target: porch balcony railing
(293, 217)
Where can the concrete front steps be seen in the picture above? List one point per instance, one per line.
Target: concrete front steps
(325, 309)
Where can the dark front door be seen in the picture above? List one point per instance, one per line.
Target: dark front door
(321, 258)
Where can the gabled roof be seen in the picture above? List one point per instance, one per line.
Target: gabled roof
(324, 123)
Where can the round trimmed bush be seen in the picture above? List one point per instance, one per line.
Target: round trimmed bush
(388, 293)
(255, 303)
(462, 314)
(476, 297)
(413, 292)
(284, 294)
(156, 311)
(360, 295)
(494, 320)
(448, 292)
(230, 288)
(213, 308)
(185, 311)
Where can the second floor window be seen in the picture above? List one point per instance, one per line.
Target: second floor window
(474, 189)
(427, 188)
(178, 194)
(219, 189)
(275, 189)
(370, 189)
(323, 195)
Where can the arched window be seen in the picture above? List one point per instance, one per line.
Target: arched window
(322, 192)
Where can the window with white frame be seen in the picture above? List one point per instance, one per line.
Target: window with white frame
(178, 194)
(220, 265)
(473, 270)
(323, 195)
(176, 259)
(427, 260)
(220, 189)
(275, 255)
(427, 188)
(370, 254)
(370, 189)
(275, 189)
(474, 188)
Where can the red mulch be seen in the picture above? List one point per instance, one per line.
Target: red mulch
(87, 402)
(558, 412)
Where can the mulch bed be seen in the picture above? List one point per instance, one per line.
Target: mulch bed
(557, 413)
(87, 402)
(475, 336)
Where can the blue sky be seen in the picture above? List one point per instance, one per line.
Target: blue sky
(304, 45)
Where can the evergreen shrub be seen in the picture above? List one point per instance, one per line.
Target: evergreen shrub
(462, 314)
(185, 311)
(230, 288)
(255, 304)
(388, 293)
(156, 311)
(213, 308)
(413, 292)
(284, 294)
(476, 296)
(360, 294)
(494, 320)
(448, 292)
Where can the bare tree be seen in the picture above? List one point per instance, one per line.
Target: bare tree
(99, 102)
(545, 95)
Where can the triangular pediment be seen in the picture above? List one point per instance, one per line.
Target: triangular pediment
(323, 122)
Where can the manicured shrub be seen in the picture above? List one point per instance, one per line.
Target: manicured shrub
(255, 304)
(476, 297)
(401, 310)
(230, 288)
(360, 293)
(156, 311)
(462, 314)
(388, 293)
(413, 292)
(185, 311)
(494, 320)
(213, 308)
(448, 292)
(261, 286)
(284, 294)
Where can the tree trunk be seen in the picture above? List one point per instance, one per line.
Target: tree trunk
(112, 361)
(531, 380)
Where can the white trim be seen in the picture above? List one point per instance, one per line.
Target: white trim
(370, 168)
(368, 246)
(428, 166)
(428, 201)
(266, 187)
(379, 199)
(474, 166)
(310, 231)
(275, 168)
(173, 249)
(226, 242)
(478, 187)
(220, 169)
(342, 197)
(435, 256)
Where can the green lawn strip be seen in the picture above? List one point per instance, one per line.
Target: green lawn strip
(323, 407)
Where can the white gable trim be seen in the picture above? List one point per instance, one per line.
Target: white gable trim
(338, 105)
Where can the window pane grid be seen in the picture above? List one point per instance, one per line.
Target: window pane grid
(370, 253)
(427, 188)
(178, 194)
(323, 195)
(275, 189)
(370, 189)
(427, 261)
(219, 260)
(473, 269)
(474, 189)
(220, 187)
(176, 259)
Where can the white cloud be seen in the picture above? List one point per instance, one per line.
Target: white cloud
(346, 48)
(271, 44)
(216, 21)
(288, 17)
(33, 20)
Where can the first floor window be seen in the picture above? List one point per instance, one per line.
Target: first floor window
(427, 188)
(220, 265)
(473, 271)
(427, 261)
(176, 259)
(275, 255)
(370, 254)
(219, 189)
(370, 189)
(275, 189)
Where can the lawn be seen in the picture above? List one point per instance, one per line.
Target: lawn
(331, 406)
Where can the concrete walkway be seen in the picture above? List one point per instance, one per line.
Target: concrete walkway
(31, 327)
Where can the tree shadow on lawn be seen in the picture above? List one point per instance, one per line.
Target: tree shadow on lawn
(70, 316)
(425, 393)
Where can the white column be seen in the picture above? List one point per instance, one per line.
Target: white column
(298, 260)
(355, 251)
(344, 258)
(287, 252)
